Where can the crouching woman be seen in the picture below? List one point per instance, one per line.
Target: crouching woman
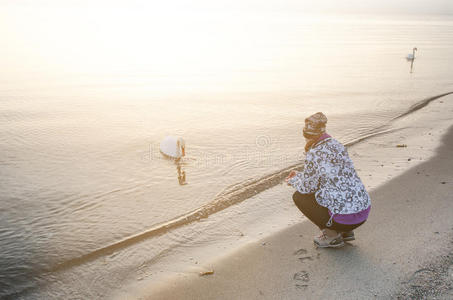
(329, 191)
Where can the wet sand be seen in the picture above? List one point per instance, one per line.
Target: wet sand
(404, 249)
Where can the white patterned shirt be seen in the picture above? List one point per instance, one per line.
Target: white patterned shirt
(329, 173)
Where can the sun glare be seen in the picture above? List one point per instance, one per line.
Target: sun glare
(155, 37)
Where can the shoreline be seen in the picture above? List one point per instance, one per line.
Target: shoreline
(233, 195)
(376, 178)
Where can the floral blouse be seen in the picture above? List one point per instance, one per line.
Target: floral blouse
(329, 173)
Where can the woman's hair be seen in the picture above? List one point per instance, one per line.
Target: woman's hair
(311, 136)
(311, 139)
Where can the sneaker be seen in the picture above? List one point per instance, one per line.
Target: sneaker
(323, 241)
(348, 236)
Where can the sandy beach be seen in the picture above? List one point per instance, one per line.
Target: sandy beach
(404, 250)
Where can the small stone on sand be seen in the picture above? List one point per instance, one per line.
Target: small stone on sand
(211, 272)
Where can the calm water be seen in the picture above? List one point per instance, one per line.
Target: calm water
(80, 168)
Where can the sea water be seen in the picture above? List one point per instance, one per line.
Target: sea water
(82, 113)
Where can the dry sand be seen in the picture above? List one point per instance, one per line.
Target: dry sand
(404, 250)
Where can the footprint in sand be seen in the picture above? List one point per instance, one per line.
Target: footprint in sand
(301, 251)
(302, 259)
(301, 286)
(301, 279)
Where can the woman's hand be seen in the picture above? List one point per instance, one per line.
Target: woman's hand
(291, 175)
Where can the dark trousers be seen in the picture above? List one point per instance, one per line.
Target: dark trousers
(318, 214)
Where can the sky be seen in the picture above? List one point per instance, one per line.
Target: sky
(319, 6)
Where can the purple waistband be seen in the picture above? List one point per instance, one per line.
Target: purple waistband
(350, 219)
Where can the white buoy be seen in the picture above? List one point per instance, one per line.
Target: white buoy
(173, 146)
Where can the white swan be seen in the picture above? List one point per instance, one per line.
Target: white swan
(411, 56)
(173, 146)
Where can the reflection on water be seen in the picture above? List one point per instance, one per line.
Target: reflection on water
(181, 172)
(412, 65)
(411, 57)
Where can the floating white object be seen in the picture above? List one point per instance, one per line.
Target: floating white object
(173, 146)
(411, 56)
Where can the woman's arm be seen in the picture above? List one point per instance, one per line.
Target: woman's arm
(306, 181)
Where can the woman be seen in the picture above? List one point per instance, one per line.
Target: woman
(329, 192)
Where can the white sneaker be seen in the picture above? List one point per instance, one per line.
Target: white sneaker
(323, 241)
(348, 236)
